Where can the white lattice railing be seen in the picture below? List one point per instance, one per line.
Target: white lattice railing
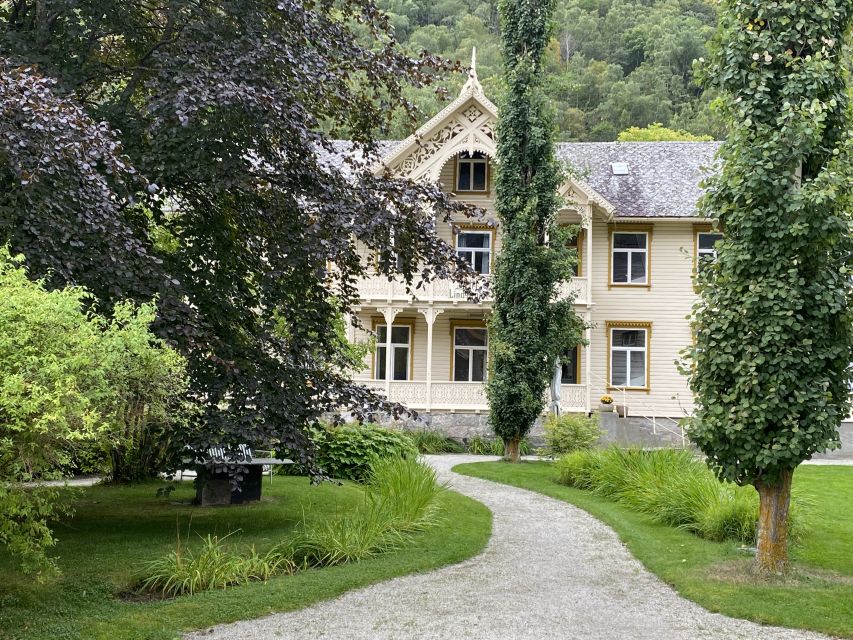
(380, 288)
(463, 396)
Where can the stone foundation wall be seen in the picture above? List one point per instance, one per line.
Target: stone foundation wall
(631, 431)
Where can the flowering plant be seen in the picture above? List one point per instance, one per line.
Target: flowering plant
(606, 400)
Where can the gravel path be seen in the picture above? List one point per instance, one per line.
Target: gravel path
(550, 570)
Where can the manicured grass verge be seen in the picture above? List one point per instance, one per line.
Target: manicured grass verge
(817, 596)
(116, 529)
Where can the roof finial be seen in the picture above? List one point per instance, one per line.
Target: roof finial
(472, 83)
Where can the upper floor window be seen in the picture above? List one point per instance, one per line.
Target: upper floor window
(475, 247)
(706, 246)
(630, 257)
(401, 349)
(470, 354)
(472, 172)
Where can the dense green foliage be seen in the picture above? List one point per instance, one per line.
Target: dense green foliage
(668, 485)
(610, 64)
(181, 150)
(817, 594)
(348, 451)
(770, 366)
(570, 432)
(67, 379)
(656, 132)
(528, 330)
(117, 529)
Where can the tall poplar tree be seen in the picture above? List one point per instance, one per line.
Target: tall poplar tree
(771, 360)
(528, 330)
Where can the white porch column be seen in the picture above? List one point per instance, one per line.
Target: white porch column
(587, 268)
(588, 353)
(430, 314)
(389, 313)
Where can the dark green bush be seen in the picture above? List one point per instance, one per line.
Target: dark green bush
(348, 451)
(430, 441)
(570, 432)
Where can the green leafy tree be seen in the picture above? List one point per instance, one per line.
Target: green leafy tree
(656, 132)
(186, 150)
(67, 378)
(528, 330)
(771, 361)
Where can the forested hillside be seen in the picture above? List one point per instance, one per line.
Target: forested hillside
(612, 64)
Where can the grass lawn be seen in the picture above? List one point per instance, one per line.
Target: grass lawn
(116, 529)
(819, 593)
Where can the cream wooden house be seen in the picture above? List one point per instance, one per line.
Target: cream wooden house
(640, 242)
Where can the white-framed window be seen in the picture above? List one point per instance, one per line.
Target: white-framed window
(569, 365)
(630, 257)
(706, 246)
(475, 247)
(472, 172)
(401, 349)
(470, 354)
(629, 353)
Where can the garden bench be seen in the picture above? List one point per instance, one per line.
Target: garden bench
(213, 484)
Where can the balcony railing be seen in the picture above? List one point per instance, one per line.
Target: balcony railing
(462, 396)
(380, 289)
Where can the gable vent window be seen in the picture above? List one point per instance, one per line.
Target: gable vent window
(619, 168)
(472, 173)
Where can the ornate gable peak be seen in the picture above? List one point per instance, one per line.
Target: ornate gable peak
(457, 115)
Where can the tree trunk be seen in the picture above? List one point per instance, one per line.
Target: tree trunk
(511, 449)
(775, 501)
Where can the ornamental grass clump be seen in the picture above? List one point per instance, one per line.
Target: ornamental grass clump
(214, 565)
(429, 441)
(400, 499)
(669, 485)
(406, 490)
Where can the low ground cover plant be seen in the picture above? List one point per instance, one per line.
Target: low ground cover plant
(671, 486)
(399, 500)
(570, 432)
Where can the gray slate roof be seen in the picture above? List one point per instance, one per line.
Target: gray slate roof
(663, 177)
(662, 180)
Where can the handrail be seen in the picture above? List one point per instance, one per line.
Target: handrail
(650, 409)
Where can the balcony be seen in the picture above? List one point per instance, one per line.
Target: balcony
(380, 289)
(462, 396)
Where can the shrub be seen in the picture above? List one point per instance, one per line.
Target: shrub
(65, 378)
(570, 432)
(429, 441)
(348, 451)
(669, 485)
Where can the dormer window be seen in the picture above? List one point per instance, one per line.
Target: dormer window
(472, 173)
